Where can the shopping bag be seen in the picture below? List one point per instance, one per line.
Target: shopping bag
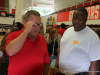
(53, 62)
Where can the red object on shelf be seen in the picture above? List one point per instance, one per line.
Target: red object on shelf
(64, 9)
(68, 8)
(13, 11)
(80, 5)
(3, 13)
(60, 11)
(88, 3)
(95, 1)
(73, 7)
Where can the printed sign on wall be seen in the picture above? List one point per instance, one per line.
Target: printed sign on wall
(93, 14)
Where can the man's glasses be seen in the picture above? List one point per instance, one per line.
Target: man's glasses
(39, 25)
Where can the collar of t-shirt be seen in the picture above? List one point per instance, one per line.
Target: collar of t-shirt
(80, 30)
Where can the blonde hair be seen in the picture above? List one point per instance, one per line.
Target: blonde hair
(49, 28)
(41, 30)
(51, 36)
(29, 13)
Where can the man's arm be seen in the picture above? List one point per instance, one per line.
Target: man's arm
(46, 69)
(93, 67)
(15, 45)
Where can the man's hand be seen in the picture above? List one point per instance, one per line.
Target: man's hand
(56, 70)
(58, 49)
(94, 67)
(29, 25)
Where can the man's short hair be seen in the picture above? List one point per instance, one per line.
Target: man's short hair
(62, 25)
(29, 13)
(83, 10)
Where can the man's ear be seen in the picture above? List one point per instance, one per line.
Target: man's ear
(24, 22)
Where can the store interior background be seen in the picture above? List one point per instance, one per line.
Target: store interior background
(15, 9)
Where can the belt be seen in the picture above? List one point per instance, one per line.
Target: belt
(81, 73)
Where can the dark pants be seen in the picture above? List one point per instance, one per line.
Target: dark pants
(4, 69)
(81, 73)
(99, 70)
(59, 73)
(86, 74)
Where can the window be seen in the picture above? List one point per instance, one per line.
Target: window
(42, 11)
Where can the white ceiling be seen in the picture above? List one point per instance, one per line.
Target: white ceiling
(46, 2)
(39, 3)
